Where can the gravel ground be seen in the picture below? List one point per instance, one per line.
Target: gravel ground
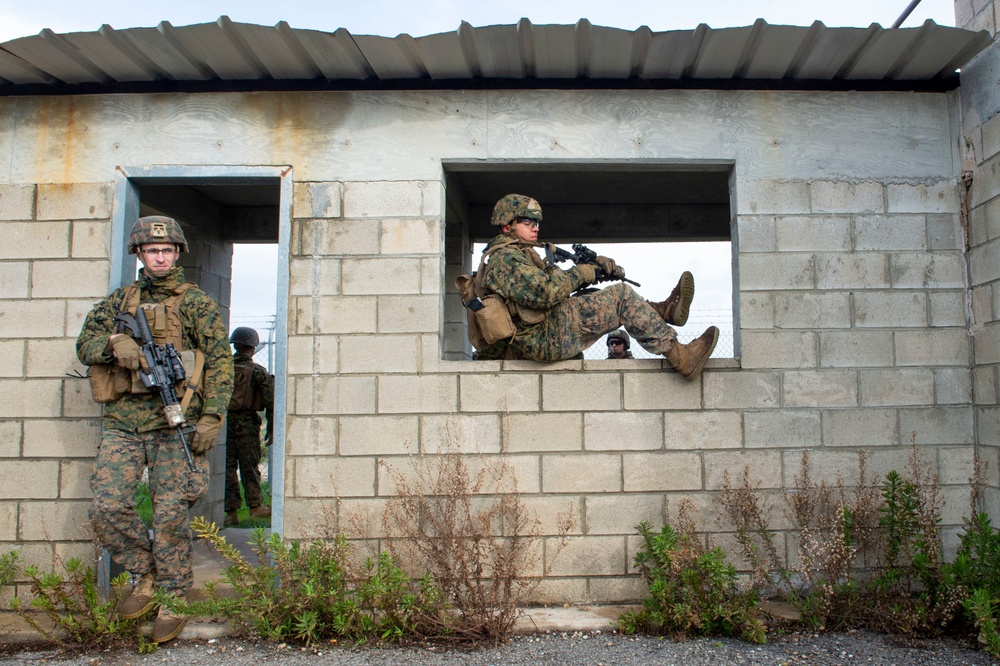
(597, 648)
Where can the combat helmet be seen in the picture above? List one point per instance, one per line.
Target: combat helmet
(244, 335)
(513, 206)
(156, 229)
(620, 334)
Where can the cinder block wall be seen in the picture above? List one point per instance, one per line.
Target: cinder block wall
(981, 201)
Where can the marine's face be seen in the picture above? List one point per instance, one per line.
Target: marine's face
(526, 229)
(157, 258)
(617, 348)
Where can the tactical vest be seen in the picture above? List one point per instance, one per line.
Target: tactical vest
(243, 393)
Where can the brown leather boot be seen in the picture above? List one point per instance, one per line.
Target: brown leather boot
(140, 599)
(167, 626)
(689, 359)
(262, 511)
(232, 518)
(676, 308)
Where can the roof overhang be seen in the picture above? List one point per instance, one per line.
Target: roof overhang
(224, 56)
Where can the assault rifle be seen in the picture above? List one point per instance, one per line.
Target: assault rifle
(581, 254)
(164, 369)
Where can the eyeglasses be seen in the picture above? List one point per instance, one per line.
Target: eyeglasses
(165, 251)
(528, 222)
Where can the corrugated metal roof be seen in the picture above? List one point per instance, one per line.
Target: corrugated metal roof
(523, 54)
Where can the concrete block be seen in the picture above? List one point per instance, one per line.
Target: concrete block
(390, 276)
(890, 309)
(947, 308)
(764, 466)
(8, 522)
(17, 202)
(73, 201)
(12, 358)
(589, 556)
(69, 279)
(301, 360)
(89, 240)
(940, 270)
(955, 465)
(10, 439)
(378, 435)
(944, 232)
(76, 313)
(852, 271)
(896, 387)
(813, 233)
(756, 310)
(53, 521)
(581, 392)
(555, 591)
(613, 590)
(761, 197)
(556, 515)
(409, 314)
(61, 438)
(742, 390)
(431, 276)
(986, 184)
(315, 276)
(855, 349)
(317, 200)
(310, 436)
(31, 397)
(987, 344)
(764, 349)
(404, 394)
(953, 386)
(327, 354)
(695, 431)
(940, 425)
(756, 233)
(860, 428)
(77, 401)
(768, 272)
(782, 428)
(379, 353)
(619, 514)
(658, 390)
(812, 310)
(991, 137)
(581, 473)
(499, 393)
(820, 388)
(413, 236)
(30, 479)
(329, 476)
(74, 478)
(51, 358)
(460, 433)
(846, 197)
(328, 394)
(662, 471)
(343, 314)
(543, 432)
(622, 431)
(35, 240)
(392, 198)
(15, 279)
(934, 347)
(825, 466)
(985, 385)
(939, 197)
(889, 233)
(340, 238)
(983, 261)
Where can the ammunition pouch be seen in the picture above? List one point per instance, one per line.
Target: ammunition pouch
(108, 382)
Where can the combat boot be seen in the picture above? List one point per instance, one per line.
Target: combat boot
(262, 511)
(140, 599)
(231, 519)
(167, 625)
(689, 359)
(676, 308)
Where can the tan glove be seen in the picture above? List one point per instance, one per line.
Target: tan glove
(588, 272)
(206, 433)
(127, 353)
(610, 268)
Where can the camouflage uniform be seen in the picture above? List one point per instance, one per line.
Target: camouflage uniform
(136, 436)
(243, 451)
(569, 324)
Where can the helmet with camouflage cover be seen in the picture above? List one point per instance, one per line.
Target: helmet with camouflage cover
(620, 334)
(156, 229)
(514, 206)
(244, 335)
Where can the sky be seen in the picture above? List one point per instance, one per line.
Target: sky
(253, 288)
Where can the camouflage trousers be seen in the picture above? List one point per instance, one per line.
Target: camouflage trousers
(243, 454)
(121, 459)
(580, 321)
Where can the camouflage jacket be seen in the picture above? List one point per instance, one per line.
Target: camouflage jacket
(246, 422)
(203, 329)
(518, 274)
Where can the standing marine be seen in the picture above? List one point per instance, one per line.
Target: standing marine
(136, 435)
(552, 324)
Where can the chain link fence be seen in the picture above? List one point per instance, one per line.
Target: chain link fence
(265, 327)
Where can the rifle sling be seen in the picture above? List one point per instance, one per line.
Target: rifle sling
(193, 380)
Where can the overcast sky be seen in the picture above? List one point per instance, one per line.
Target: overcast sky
(253, 290)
